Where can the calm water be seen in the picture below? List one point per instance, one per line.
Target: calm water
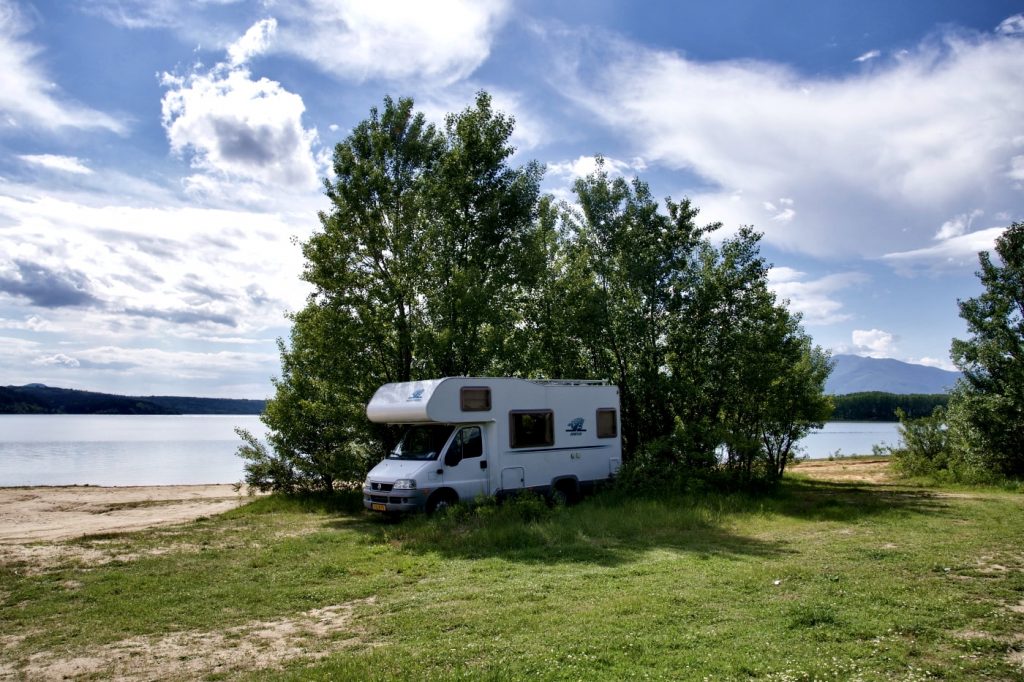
(56, 449)
(162, 450)
(849, 438)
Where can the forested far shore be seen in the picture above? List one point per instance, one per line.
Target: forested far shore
(40, 399)
(877, 406)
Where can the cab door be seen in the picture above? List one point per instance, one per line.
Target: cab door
(465, 464)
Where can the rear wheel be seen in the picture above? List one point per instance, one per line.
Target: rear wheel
(565, 493)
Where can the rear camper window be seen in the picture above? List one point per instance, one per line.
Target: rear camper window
(606, 427)
(475, 398)
(532, 429)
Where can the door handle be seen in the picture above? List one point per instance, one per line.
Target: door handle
(439, 471)
(483, 464)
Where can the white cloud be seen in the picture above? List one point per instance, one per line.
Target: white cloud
(30, 323)
(442, 41)
(29, 98)
(941, 363)
(1012, 26)
(67, 164)
(120, 271)
(957, 225)
(585, 165)
(953, 251)
(872, 160)
(255, 41)
(439, 42)
(815, 299)
(782, 213)
(868, 56)
(874, 343)
(239, 128)
(56, 360)
(1016, 168)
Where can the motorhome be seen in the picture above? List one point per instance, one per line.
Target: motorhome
(471, 437)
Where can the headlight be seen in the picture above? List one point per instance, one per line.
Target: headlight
(405, 484)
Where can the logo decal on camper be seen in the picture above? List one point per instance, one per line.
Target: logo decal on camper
(416, 395)
(576, 427)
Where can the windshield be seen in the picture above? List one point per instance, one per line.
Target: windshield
(422, 442)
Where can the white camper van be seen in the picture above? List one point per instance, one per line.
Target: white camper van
(469, 437)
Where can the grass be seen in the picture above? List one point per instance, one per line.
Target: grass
(818, 581)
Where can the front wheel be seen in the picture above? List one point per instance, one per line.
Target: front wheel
(440, 501)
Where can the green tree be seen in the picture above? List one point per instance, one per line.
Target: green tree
(746, 377)
(418, 270)
(926, 448)
(989, 401)
(484, 255)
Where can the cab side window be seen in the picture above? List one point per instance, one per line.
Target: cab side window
(471, 442)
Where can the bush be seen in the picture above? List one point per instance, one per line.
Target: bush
(926, 444)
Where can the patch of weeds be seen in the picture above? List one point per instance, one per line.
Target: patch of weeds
(338, 502)
(812, 616)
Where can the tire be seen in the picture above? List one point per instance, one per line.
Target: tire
(439, 502)
(565, 493)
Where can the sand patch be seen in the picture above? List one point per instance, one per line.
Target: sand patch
(862, 470)
(256, 645)
(63, 513)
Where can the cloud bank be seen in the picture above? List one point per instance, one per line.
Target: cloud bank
(882, 156)
(29, 98)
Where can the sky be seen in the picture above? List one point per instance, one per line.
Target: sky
(162, 160)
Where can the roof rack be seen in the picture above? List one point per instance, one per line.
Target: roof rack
(570, 382)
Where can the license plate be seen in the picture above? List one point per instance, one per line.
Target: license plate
(376, 506)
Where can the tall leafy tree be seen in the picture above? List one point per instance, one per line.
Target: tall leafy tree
(988, 406)
(419, 270)
(484, 255)
(746, 378)
(626, 268)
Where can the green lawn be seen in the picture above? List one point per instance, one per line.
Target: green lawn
(820, 581)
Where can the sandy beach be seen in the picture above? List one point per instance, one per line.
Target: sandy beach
(63, 513)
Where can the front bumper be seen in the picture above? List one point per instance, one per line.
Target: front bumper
(394, 500)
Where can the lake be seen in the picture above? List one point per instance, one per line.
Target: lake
(57, 449)
(102, 449)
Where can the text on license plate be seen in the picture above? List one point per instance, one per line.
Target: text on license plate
(376, 506)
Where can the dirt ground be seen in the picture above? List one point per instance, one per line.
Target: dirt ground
(63, 513)
(861, 469)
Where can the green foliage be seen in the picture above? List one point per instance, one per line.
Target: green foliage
(990, 399)
(871, 406)
(418, 271)
(702, 353)
(439, 258)
(926, 447)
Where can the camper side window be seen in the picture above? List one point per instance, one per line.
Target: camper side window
(475, 398)
(531, 429)
(606, 425)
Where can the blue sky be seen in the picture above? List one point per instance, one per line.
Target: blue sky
(159, 158)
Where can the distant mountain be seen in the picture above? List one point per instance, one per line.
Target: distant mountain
(42, 399)
(855, 374)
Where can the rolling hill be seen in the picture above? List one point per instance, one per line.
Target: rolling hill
(41, 399)
(856, 374)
